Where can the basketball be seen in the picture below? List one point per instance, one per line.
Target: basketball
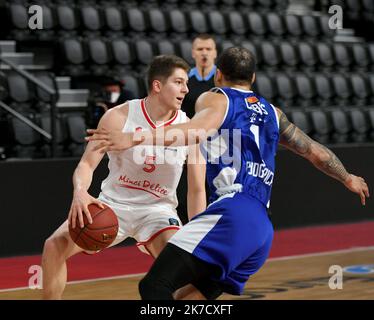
(98, 235)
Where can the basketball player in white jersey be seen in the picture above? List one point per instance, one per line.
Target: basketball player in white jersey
(142, 183)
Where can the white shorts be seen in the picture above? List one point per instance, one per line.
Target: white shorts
(142, 222)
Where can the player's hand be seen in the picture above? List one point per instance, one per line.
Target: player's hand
(79, 206)
(359, 186)
(114, 140)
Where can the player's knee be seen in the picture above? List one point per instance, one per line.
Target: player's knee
(54, 245)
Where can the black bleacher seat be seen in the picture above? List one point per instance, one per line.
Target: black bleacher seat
(265, 87)
(99, 54)
(307, 55)
(165, 47)
(74, 54)
(324, 90)
(178, 22)
(293, 25)
(361, 91)
(305, 90)
(343, 58)
(342, 88)
(92, 19)
(217, 23)
(67, 17)
(275, 24)
(137, 22)
(133, 84)
(122, 52)
(98, 51)
(301, 119)
(360, 56)
(310, 26)
(286, 91)
(321, 125)
(157, 21)
(325, 55)
(20, 89)
(74, 51)
(19, 16)
(144, 51)
(25, 140)
(256, 23)
(114, 18)
(289, 55)
(270, 55)
(341, 126)
(198, 22)
(76, 130)
(236, 23)
(44, 119)
(360, 125)
(184, 50)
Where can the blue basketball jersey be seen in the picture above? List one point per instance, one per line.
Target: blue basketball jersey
(241, 156)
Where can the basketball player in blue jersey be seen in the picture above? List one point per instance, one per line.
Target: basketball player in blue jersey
(224, 245)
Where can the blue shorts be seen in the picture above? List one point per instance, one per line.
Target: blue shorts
(234, 234)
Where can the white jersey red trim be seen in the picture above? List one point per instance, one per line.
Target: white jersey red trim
(145, 174)
(151, 123)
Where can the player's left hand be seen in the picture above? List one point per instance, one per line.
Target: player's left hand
(114, 140)
(359, 186)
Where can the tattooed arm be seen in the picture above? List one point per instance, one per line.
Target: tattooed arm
(320, 156)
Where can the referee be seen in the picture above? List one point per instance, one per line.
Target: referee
(201, 77)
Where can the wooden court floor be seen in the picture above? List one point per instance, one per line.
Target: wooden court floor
(297, 277)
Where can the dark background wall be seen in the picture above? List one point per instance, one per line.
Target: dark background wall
(35, 196)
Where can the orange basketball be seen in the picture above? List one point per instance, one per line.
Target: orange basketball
(98, 235)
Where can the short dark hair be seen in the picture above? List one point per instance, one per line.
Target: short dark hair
(163, 66)
(204, 36)
(237, 64)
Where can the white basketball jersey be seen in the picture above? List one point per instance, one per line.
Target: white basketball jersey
(145, 175)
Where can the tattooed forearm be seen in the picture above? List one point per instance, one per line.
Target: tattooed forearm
(292, 137)
(322, 158)
(329, 163)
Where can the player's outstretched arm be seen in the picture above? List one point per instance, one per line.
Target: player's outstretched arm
(210, 112)
(322, 158)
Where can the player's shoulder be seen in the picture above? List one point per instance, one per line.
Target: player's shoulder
(115, 117)
(210, 95)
